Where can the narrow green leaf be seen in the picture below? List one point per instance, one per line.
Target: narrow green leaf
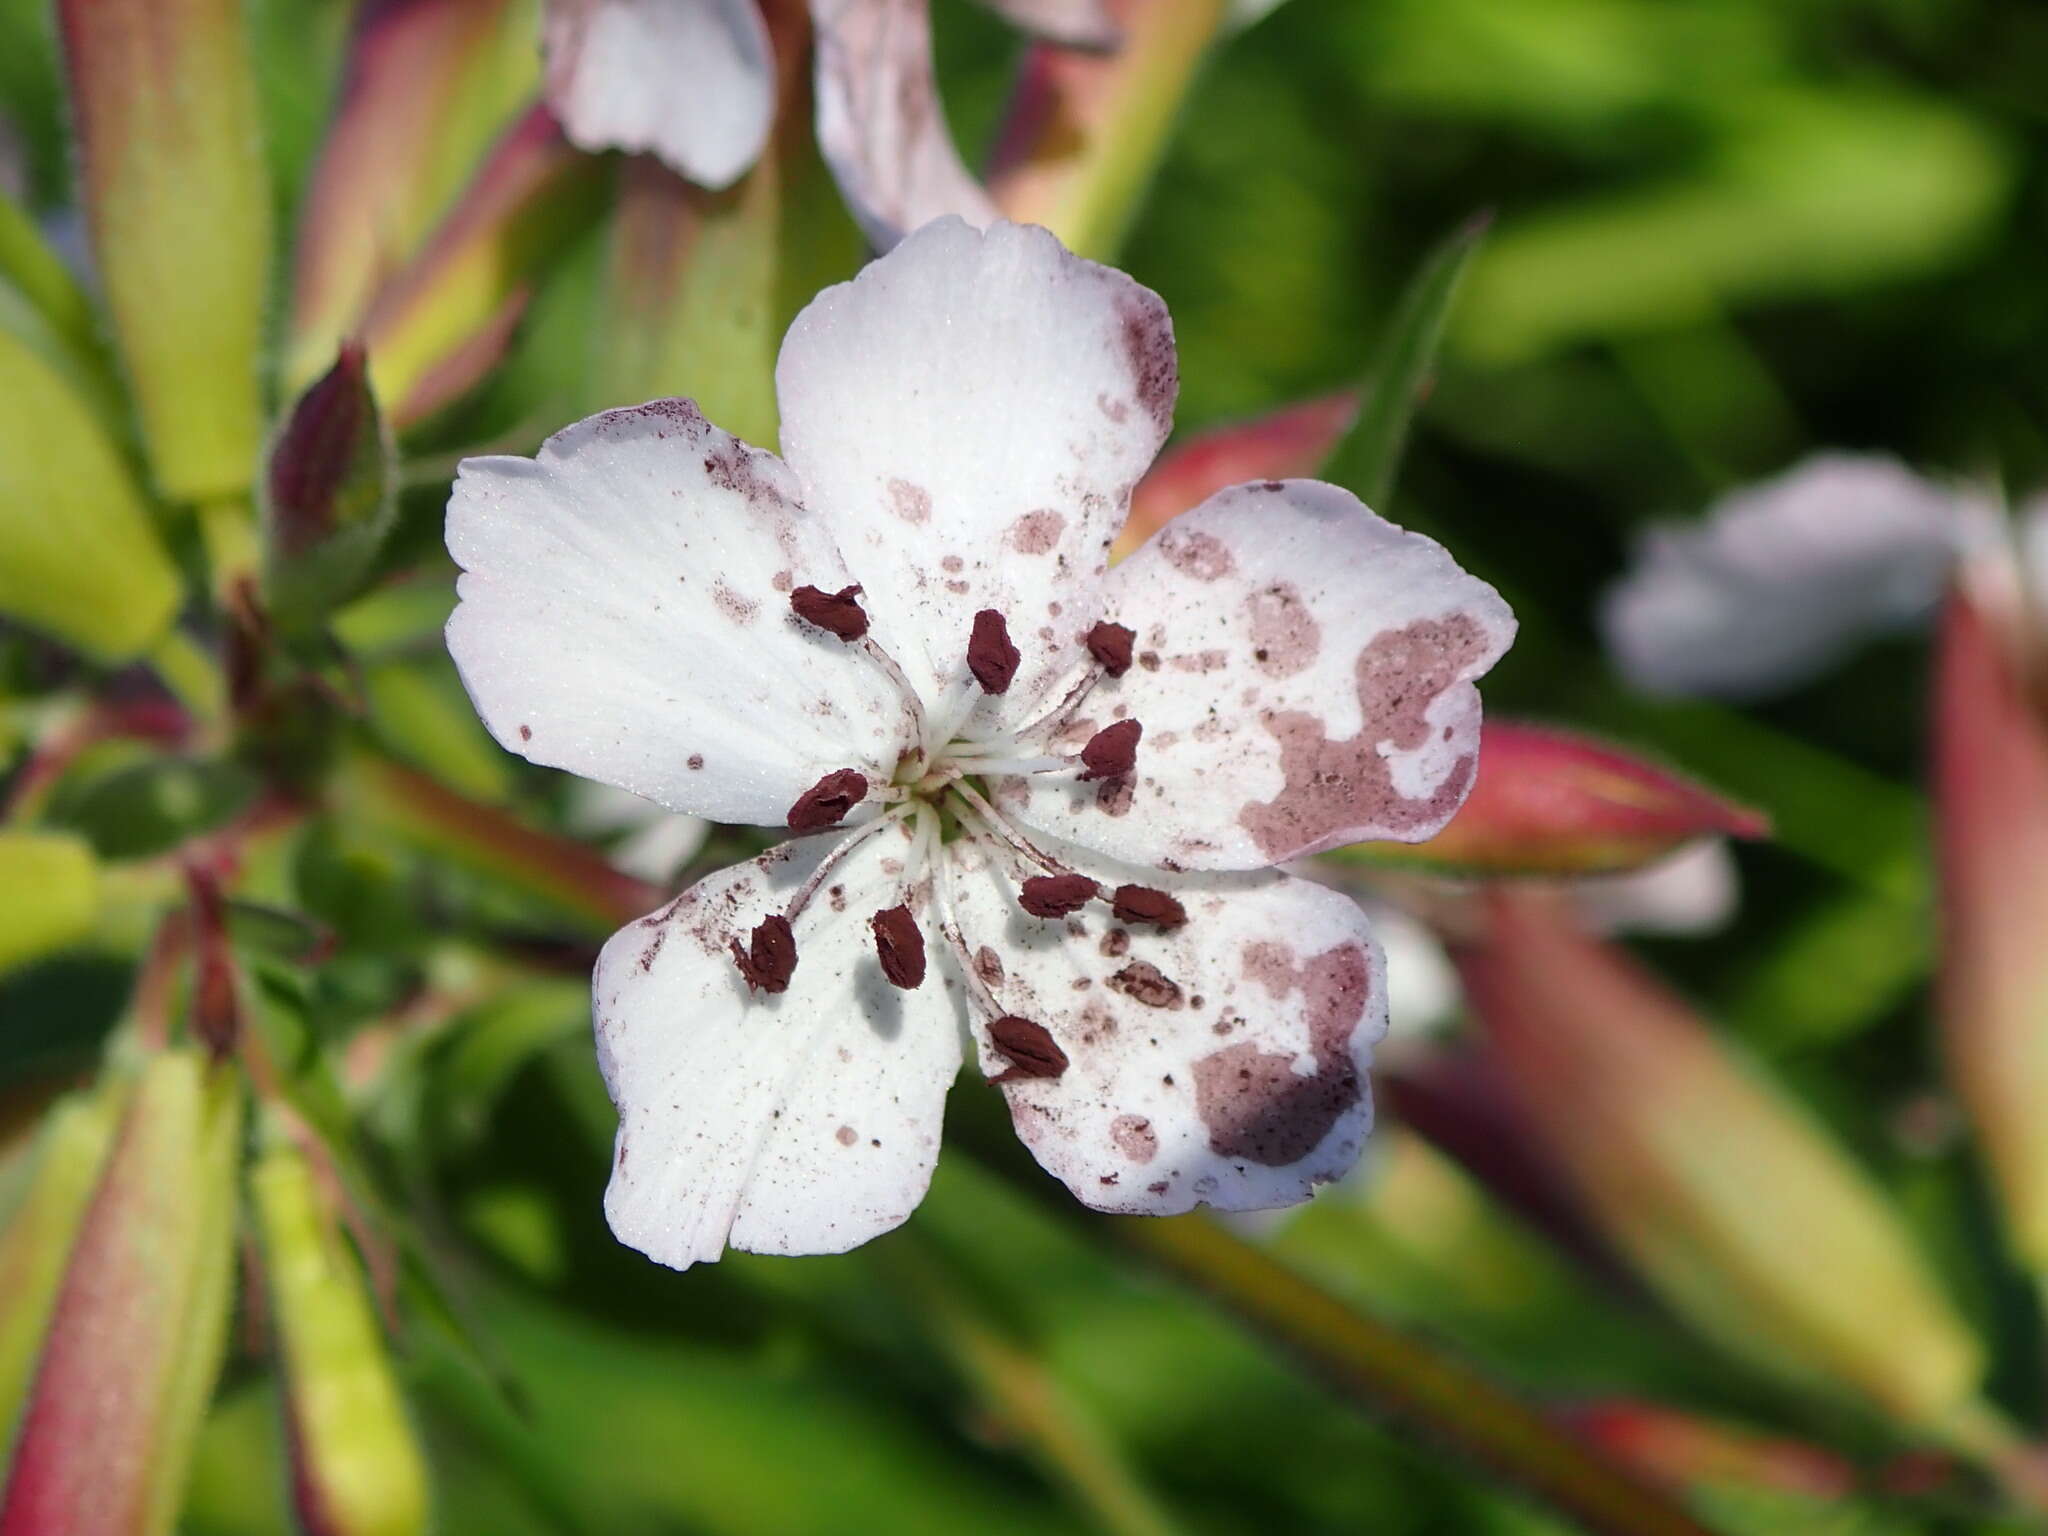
(178, 198)
(49, 894)
(1370, 456)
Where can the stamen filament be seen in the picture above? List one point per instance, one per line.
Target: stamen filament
(971, 763)
(835, 858)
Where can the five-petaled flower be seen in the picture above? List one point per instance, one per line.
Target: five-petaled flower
(1029, 794)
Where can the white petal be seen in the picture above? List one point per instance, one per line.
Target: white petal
(1078, 23)
(881, 126)
(658, 844)
(692, 81)
(1423, 994)
(1304, 679)
(1692, 891)
(1780, 580)
(624, 616)
(801, 1123)
(970, 414)
(2033, 545)
(1222, 1064)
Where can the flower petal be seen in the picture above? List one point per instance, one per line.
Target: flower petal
(1304, 679)
(1691, 891)
(970, 415)
(1780, 580)
(1221, 1063)
(1076, 23)
(881, 127)
(691, 80)
(800, 1122)
(624, 616)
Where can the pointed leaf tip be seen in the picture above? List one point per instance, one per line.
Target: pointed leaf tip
(328, 488)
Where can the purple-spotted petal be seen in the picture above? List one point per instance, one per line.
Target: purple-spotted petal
(970, 415)
(1220, 1063)
(880, 124)
(692, 81)
(1782, 579)
(625, 615)
(804, 1121)
(1303, 675)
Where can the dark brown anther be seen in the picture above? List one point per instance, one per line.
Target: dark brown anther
(1029, 1048)
(1110, 645)
(899, 944)
(826, 802)
(1057, 895)
(1112, 751)
(769, 959)
(838, 613)
(1142, 904)
(990, 656)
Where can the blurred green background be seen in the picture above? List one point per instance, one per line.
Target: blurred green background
(1726, 232)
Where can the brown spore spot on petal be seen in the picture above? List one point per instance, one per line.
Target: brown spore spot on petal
(899, 945)
(1110, 645)
(740, 610)
(1195, 553)
(1149, 660)
(1028, 1047)
(1115, 942)
(1036, 533)
(1255, 1104)
(952, 565)
(1113, 797)
(732, 466)
(694, 761)
(988, 965)
(769, 959)
(1112, 751)
(846, 1135)
(781, 581)
(912, 503)
(1056, 895)
(526, 733)
(838, 613)
(1285, 636)
(1134, 1137)
(990, 656)
(826, 802)
(1142, 904)
(1148, 344)
(1143, 982)
(1331, 787)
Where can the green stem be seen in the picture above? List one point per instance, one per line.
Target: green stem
(1071, 1447)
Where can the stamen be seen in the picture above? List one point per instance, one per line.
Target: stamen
(990, 656)
(837, 613)
(899, 945)
(832, 860)
(1056, 895)
(1000, 830)
(1142, 904)
(1029, 1048)
(970, 762)
(826, 802)
(1112, 751)
(1110, 644)
(770, 957)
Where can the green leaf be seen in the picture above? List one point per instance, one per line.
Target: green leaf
(150, 807)
(178, 197)
(1370, 456)
(49, 894)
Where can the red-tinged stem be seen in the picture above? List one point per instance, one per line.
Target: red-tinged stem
(565, 873)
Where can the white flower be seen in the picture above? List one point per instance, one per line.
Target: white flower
(693, 82)
(1782, 579)
(1032, 796)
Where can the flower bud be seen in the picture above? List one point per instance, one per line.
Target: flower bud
(356, 1468)
(1550, 802)
(1727, 1198)
(1991, 817)
(136, 1330)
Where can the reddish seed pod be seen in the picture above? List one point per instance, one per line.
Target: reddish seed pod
(1142, 904)
(770, 957)
(1056, 895)
(838, 613)
(899, 945)
(1112, 751)
(990, 655)
(1110, 645)
(826, 802)
(1029, 1048)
